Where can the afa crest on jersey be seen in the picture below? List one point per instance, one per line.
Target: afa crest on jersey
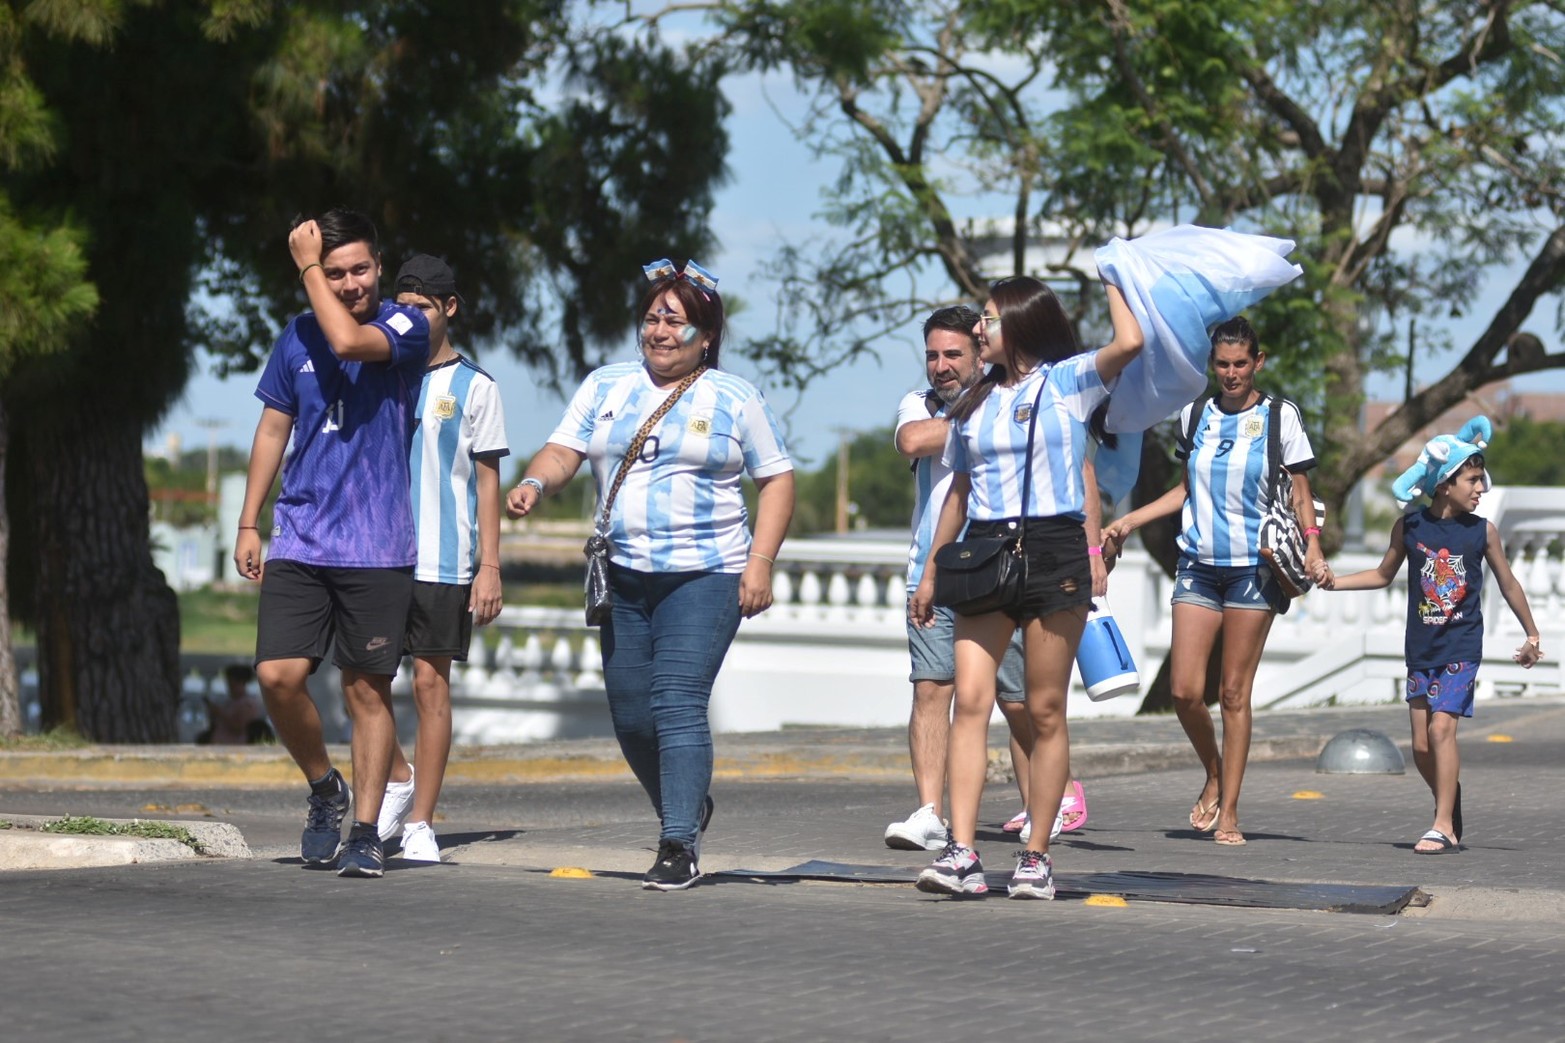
(445, 407)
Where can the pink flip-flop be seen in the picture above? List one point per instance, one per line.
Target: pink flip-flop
(1016, 822)
(1075, 803)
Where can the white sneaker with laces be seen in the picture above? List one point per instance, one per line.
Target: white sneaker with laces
(394, 808)
(920, 831)
(419, 843)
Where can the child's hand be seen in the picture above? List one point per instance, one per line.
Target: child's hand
(1322, 575)
(1529, 653)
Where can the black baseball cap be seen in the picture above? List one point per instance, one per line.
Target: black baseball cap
(429, 276)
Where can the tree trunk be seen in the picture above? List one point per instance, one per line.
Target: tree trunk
(10, 691)
(108, 623)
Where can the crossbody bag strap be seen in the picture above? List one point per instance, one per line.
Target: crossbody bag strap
(641, 440)
(1032, 429)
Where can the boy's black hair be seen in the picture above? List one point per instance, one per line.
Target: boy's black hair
(341, 226)
(1476, 460)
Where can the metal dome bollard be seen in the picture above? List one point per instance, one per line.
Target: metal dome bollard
(1360, 751)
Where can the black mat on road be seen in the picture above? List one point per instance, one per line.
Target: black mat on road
(1186, 888)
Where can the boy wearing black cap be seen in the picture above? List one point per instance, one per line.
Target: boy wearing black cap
(457, 445)
(342, 383)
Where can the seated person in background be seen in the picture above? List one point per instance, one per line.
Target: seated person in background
(240, 719)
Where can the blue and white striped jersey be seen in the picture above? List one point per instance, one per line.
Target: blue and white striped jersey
(1229, 490)
(932, 479)
(991, 444)
(681, 508)
(459, 420)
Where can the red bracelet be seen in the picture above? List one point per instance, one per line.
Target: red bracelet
(1311, 531)
(1094, 552)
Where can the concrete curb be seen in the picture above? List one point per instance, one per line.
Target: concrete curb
(100, 767)
(23, 847)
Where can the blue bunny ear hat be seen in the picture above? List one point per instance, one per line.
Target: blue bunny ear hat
(1442, 457)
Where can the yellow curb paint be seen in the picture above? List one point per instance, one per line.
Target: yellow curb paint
(571, 873)
(1106, 901)
(1498, 738)
(1308, 794)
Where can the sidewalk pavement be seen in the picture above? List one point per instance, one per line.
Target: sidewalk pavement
(491, 945)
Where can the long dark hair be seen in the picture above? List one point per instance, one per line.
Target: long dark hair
(1035, 329)
(703, 310)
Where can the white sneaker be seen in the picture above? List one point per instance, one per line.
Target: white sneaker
(419, 843)
(1054, 830)
(921, 831)
(394, 808)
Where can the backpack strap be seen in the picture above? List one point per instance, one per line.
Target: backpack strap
(1197, 408)
(1274, 462)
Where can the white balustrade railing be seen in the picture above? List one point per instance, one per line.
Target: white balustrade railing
(832, 650)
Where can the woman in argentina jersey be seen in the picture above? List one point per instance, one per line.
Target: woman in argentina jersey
(1222, 585)
(684, 567)
(1038, 376)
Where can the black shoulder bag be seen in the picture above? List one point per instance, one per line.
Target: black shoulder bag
(1282, 543)
(988, 574)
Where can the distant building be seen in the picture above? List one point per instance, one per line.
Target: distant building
(1499, 402)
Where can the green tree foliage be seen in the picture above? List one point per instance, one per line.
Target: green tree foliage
(880, 488)
(1527, 452)
(1412, 150)
(545, 160)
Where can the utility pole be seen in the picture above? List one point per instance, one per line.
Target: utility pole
(843, 434)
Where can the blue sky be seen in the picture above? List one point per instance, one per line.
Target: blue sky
(773, 196)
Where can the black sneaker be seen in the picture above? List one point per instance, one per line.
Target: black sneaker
(674, 870)
(322, 837)
(362, 855)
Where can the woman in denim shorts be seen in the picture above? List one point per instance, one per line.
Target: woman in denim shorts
(1038, 381)
(1222, 585)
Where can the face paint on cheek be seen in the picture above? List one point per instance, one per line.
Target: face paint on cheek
(689, 335)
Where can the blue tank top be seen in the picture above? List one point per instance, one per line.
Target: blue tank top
(1445, 559)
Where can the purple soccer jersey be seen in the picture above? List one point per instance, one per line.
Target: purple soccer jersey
(344, 501)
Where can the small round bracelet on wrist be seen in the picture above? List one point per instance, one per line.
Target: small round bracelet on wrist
(1094, 552)
(252, 528)
(534, 482)
(758, 554)
(1311, 531)
(489, 565)
(306, 268)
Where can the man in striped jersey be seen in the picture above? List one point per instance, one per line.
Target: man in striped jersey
(457, 444)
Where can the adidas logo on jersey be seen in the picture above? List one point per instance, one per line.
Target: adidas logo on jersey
(609, 415)
(308, 367)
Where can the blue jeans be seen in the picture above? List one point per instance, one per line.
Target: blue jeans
(662, 647)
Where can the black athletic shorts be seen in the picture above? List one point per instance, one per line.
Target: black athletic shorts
(439, 623)
(306, 609)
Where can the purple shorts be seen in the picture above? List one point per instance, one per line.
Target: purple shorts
(1448, 688)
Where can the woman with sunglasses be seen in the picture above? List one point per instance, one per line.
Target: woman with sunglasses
(1035, 367)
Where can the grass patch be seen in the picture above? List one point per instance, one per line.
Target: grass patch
(86, 825)
(63, 737)
(4, 824)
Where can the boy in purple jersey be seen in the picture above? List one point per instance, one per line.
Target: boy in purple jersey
(343, 383)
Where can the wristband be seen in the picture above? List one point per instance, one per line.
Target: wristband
(312, 264)
(534, 482)
(252, 528)
(489, 565)
(1094, 552)
(1311, 531)
(758, 554)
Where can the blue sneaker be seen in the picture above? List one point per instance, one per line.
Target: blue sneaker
(956, 872)
(362, 855)
(322, 837)
(1034, 876)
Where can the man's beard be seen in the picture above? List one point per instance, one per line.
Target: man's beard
(949, 394)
